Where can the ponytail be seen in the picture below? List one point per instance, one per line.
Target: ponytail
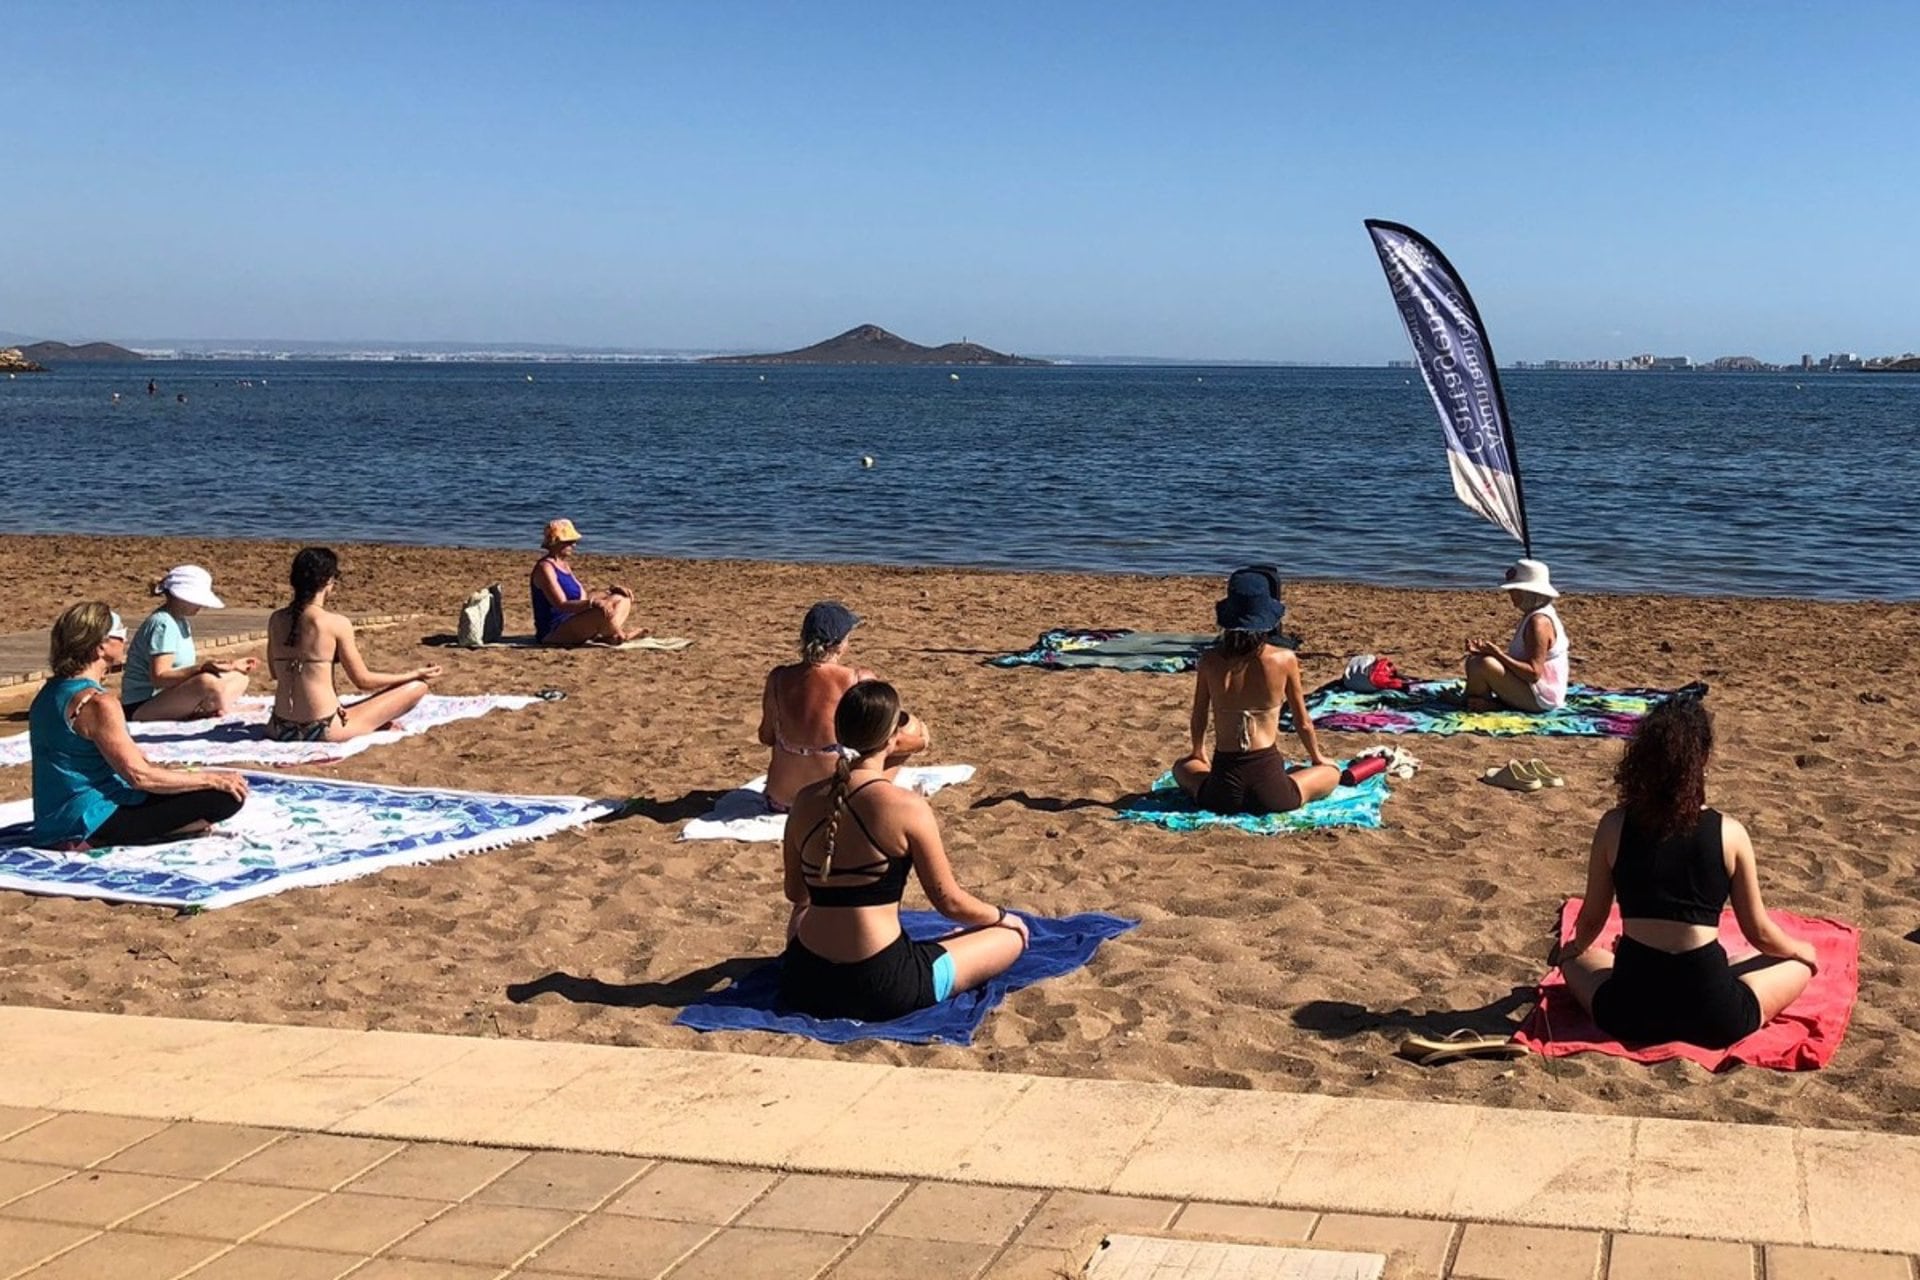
(842, 776)
(313, 569)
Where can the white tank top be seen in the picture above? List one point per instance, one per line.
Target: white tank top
(1551, 687)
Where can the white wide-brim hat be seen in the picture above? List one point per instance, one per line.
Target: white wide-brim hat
(191, 584)
(1529, 576)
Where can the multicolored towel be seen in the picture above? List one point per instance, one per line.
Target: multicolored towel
(1589, 713)
(1056, 946)
(241, 738)
(1804, 1037)
(1170, 807)
(742, 813)
(291, 832)
(1169, 652)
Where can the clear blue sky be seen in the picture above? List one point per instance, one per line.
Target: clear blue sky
(1045, 177)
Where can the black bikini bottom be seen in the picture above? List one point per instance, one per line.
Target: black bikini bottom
(1249, 782)
(1655, 996)
(893, 981)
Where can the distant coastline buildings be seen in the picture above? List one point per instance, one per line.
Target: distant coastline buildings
(1833, 362)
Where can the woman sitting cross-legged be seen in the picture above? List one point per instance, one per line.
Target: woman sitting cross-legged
(798, 701)
(1673, 864)
(1530, 674)
(564, 615)
(851, 841)
(1243, 681)
(305, 642)
(92, 786)
(164, 679)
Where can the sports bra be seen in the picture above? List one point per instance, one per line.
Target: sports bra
(889, 875)
(1682, 878)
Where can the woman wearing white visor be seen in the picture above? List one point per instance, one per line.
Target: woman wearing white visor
(164, 679)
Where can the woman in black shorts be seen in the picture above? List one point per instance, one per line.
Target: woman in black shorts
(1673, 864)
(1241, 684)
(850, 842)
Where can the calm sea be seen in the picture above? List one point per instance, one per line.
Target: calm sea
(1690, 483)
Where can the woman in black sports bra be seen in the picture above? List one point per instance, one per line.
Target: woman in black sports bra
(850, 842)
(1673, 864)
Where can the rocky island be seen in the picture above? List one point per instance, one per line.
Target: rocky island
(870, 344)
(52, 353)
(14, 360)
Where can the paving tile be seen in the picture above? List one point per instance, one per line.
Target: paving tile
(1245, 1222)
(1861, 1189)
(270, 1262)
(762, 1255)
(1796, 1262)
(1128, 1257)
(1377, 1156)
(642, 1087)
(24, 1243)
(350, 1223)
(96, 1199)
(1070, 1219)
(436, 1171)
(960, 1214)
(17, 1180)
(1024, 1262)
(357, 1070)
(1681, 1187)
(692, 1193)
(823, 1202)
(1220, 1144)
(891, 1257)
(468, 1099)
(619, 1248)
(418, 1269)
(315, 1161)
(51, 1059)
(220, 1211)
(191, 1150)
(1662, 1257)
(1540, 1168)
(562, 1180)
(1066, 1133)
(14, 1119)
(945, 1111)
(77, 1140)
(1414, 1247)
(1526, 1253)
(763, 1112)
(496, 1234)
(126, 1255)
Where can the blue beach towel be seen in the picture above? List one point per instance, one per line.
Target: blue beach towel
(1168, 806)
(1057, 946)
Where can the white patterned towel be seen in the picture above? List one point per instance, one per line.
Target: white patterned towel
(292, 831)
(742, 813)
(241, 738)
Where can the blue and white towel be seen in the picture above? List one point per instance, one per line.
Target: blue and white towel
(291, 832)
(241, 738)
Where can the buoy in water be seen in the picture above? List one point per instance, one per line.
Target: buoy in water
(866, 461)
(763, 377)
(529, 377)
(953, 377)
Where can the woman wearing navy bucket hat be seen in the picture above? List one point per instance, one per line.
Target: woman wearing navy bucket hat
(1241, 685)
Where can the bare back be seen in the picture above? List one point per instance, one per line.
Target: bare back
(796, 720)
(303, 669)
(1247, 694)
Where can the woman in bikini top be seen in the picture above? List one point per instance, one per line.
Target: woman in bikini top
(305, 642)
(798, 701)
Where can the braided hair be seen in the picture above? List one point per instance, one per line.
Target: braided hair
(313, 569)
(864, 722)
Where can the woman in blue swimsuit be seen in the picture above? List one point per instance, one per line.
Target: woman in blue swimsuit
(850, 844)
(564, 615)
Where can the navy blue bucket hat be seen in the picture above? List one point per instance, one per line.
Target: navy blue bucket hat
(1249, 605)
(828, 623)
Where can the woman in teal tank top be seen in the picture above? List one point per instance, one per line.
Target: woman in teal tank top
(92, 786)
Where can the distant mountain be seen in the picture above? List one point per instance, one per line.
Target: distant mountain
(870, 344)
(52, 353)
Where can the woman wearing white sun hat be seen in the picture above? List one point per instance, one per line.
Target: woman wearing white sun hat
(1531, 673)
(164, 679)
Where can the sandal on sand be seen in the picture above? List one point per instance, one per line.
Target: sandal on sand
(1431, 1051)
(1547, 777)
(1513, 776)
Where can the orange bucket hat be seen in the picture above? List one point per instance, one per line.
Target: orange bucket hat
(559, 531)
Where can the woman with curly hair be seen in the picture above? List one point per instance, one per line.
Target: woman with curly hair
(850, 842)
(1673, 864)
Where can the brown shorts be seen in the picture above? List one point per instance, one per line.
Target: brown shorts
(1249, 782)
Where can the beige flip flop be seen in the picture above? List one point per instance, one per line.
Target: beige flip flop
(1433, 1051)
(1538, 769)
(1513, 776)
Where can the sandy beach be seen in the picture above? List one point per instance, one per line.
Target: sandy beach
(1287, 963)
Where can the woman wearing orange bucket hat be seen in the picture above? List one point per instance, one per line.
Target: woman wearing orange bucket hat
(564, 615)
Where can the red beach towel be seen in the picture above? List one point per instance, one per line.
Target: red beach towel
(1803, 1038)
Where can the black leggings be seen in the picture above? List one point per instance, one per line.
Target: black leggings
(157, 817)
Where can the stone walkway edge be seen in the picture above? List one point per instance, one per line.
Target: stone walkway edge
(1755, 1184)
